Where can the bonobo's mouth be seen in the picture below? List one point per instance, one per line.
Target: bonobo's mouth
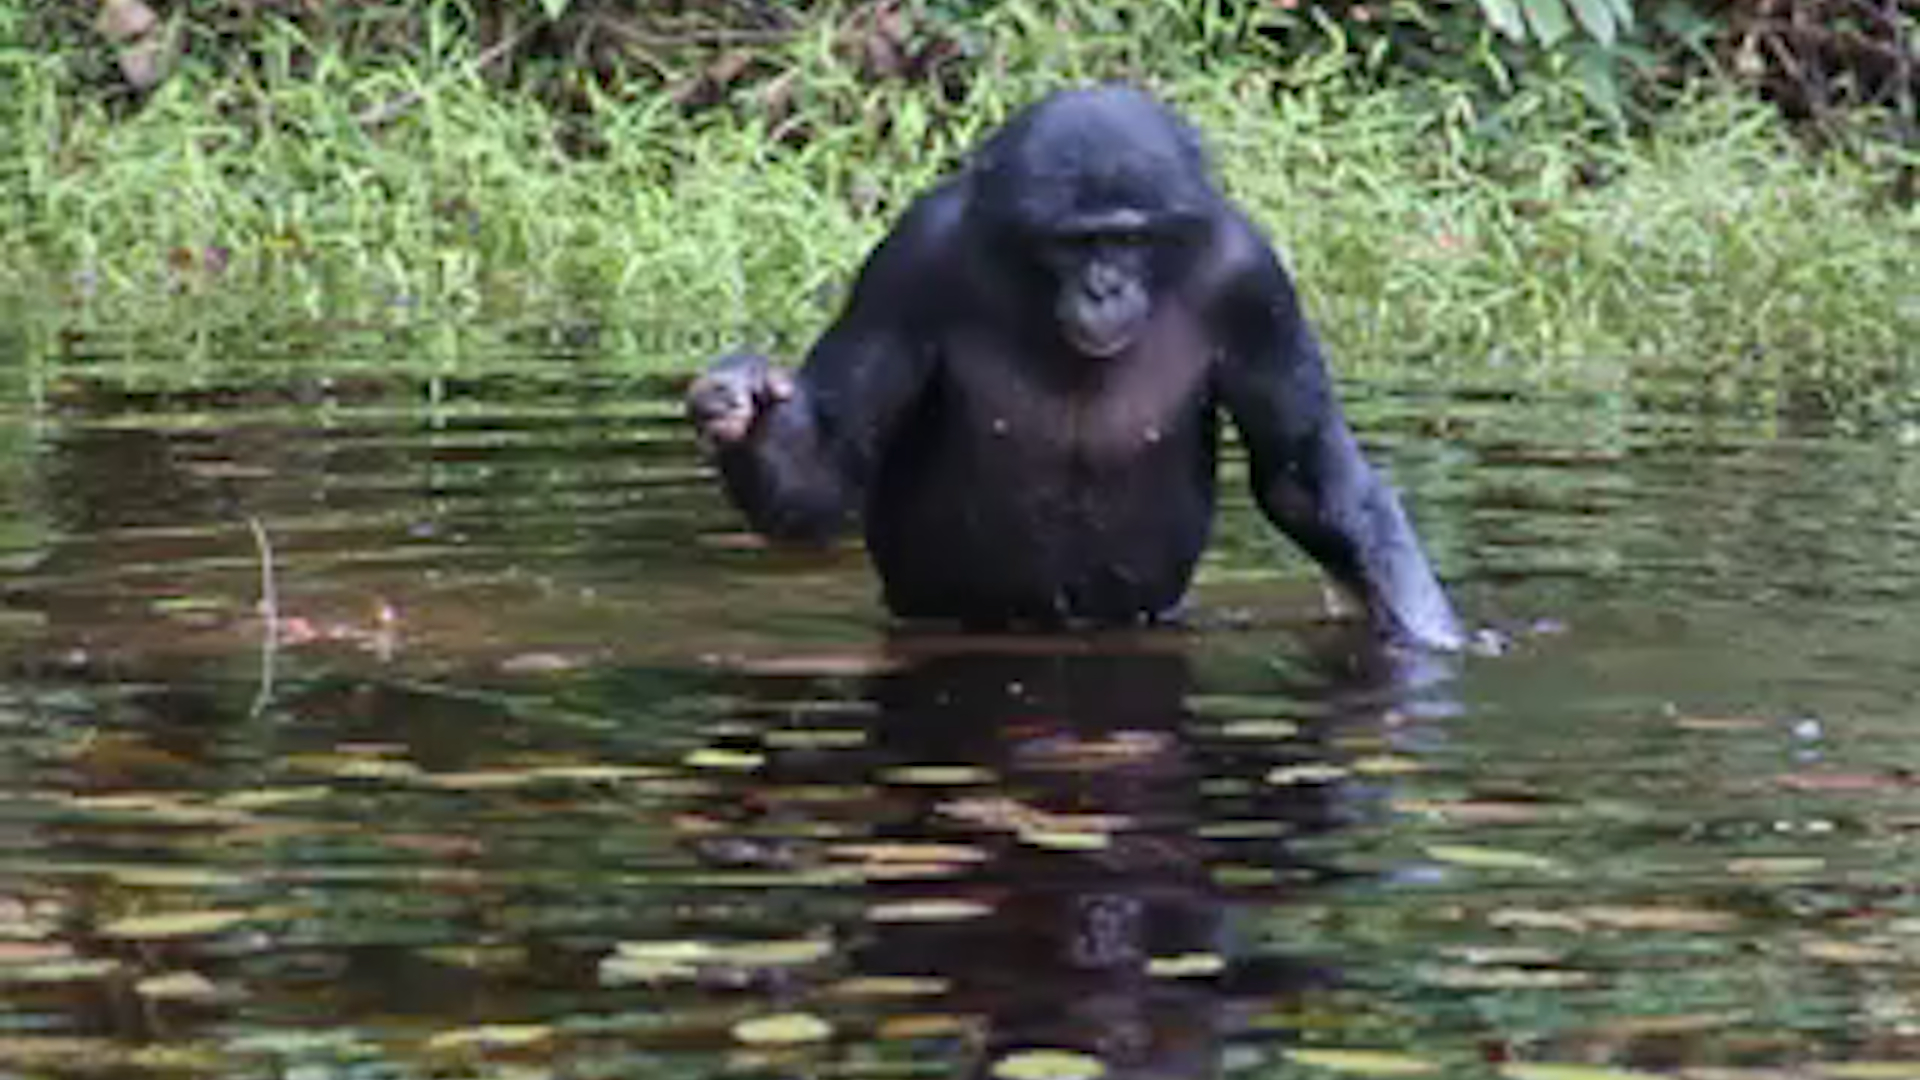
(1098, 342)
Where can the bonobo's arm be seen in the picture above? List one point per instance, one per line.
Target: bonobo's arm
(1308, 473)
(796, 450)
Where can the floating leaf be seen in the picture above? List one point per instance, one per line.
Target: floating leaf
(1311, 773)
(490, 1036)
(910, 852)
(1369, 1062)
(1777, 866)
(1848, 952)
(937, 775)
(847, 664)
(1259, 729)
(1535, 919)
(815, 738)
(1386, 765)
(265, 798)
(1475, 811)
(785, 1029)
(916, 911)
(174, 877)
(1188, 966)
(890, 986)
(59, 971)
(1868, 1070)
(177, 986)
(1551, 1071)
(776, 953)
(1692, 920)
(31, 952)
(1244, 830)
(1503, 978)
(715, 757)
(1064, 840)
(929, 1026)
(175, 924)
(540, 663)
(1486, 858)
(1049, 1065)
(354, 766)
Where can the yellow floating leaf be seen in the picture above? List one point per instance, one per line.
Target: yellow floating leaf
(1475, 811)
(1386, 765)
(910, 853)
(776, 953)
(265, 798)
(1692, 920)
(174, 877)
(479, 779)
(1064, 840)
(844, 664)
(1777, 866)
(1536, 919)
(597, 774)
(929, 1026)
(1552, 1071)
(1486, 858)
(59, 971)
(1368, 1062)
(1190, 965)
(490, 1036)
(1244, 830)
(715, 757)
(815, 738)
(680, 951)
(617, 970)
(1502, 978)
(177, 986)
(918, 911)
(889, 986)
(1049, 1065)
(1260, 729)
(1867, 1070)
(173, 924)
(937, 775)
(1848, 952)
(1312, 773)
(785, 1029)
(354, 766)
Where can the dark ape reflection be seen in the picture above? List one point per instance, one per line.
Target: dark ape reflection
(1127, 841)
(1020, 399)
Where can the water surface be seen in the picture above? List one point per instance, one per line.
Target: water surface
(542, 767)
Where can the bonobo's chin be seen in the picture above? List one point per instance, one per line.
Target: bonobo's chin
(1098, 343)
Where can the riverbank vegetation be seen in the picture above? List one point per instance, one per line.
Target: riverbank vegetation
(1455, 188)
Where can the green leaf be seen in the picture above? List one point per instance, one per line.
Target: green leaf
(555, 8)
(1504, 15)
(1597, 17)
(1548, 19)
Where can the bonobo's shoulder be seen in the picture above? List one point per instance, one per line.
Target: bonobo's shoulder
(929, 225)
(1240, 257)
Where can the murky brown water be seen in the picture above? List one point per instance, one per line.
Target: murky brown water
(544, 769)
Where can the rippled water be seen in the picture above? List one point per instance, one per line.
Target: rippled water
(545, 768)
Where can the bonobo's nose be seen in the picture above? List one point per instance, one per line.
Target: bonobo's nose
(1102, 281)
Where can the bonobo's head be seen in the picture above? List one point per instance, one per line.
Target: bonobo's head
(1098, 196)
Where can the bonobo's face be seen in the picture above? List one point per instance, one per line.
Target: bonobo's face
(1102, 271)
(1095, 199)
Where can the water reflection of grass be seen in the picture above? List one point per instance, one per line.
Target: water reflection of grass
(1420, 235)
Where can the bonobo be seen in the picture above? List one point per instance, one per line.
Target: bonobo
(1020, 398)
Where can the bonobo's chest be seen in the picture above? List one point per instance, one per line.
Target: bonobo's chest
(1043, 402)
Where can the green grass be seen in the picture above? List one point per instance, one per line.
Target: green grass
(1423, 233)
